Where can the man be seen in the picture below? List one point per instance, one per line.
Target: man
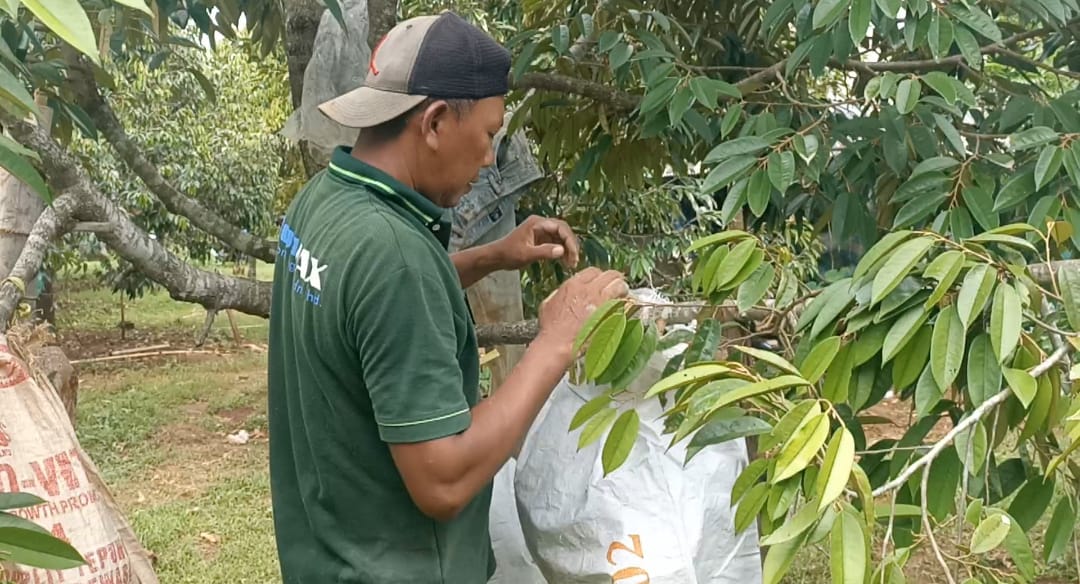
(381, 457)
(487, 214)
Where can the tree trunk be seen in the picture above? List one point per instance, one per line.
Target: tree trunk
(301, 24)
(20, 208)
(382, 16)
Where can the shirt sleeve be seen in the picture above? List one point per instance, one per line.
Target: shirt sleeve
(405, 334)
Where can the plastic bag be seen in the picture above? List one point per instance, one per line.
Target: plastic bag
(339, 59)
(653, 519)
(40, 455)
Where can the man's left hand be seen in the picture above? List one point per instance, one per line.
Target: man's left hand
(540, 238)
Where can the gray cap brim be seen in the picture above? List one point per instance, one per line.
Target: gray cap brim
(365, 107)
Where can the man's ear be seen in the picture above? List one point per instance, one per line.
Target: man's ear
(433, 121)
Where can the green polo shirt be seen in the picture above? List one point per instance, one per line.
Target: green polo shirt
(371, 343)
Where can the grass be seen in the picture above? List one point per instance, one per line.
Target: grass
(157, 430)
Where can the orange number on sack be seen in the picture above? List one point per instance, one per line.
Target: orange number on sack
(618, 545)
(632, 571)
(625, 573)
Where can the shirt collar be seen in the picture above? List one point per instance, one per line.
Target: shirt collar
(345, 166)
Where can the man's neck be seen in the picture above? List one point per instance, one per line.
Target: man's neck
(388, 160)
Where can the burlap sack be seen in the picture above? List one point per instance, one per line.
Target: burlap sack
(40, 454)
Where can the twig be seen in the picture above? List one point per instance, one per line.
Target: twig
(140, 355)
(207, 325)
(964, 424)
(140, 349)
(930, 529)
(232, 325)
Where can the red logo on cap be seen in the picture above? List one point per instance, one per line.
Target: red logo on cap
(371, 62)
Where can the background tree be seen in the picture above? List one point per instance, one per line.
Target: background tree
(939, 137)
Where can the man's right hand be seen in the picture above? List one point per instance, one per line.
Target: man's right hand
(564, 312)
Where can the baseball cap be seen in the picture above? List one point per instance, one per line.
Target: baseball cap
(439, 56)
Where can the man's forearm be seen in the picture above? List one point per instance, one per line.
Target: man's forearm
(476, 262)
(457, 467)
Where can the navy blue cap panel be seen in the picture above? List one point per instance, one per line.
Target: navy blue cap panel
(458, 60)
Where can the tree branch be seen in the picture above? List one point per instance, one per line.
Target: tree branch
(183, 281)
(175, 201)
(964, 424)
(53, 223)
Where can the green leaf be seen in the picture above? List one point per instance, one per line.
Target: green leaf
(912, 359)
(733, 263)
(1048, 165)
(590, 409)
(718, 238)
(1022, 384)
(859, 20)
(726, 172)
(755, 288)
(878, 251)
(801, 448)
(947, 347)
(1069, 282)
(945, 269)
(1072, 163)
(1060, 531)
(935, 164)
(1016, 190)
(778, 560)
(793, 527)
(37, 549)
(819, 358)
(848, 557)
(596, 427)
(983, 370)
(731, 118)
(942, 83)
(781, 167)
(704, 92)
(828, 12)
(794, 419)
(603, 344)
(835, 472)
(927, 393)
(748, 478)
(720, 430)
(632, 336)
(1005, 321)
(951, 134)
(21, 169)
(976, 20)
(907, 95)
(770, 358)
(975, 439)
(1031, 501)
(1031, 138)
(19, 500)
(656, 97)
(15, 93)
(736, 147)
(990, 533)
(919, 208)
(680, 104)
(974, 293)
(589, 326)
(1003, 239)
(68, 20)
(693, 374)
(889, 8)
(620, 55)
(969, 46)
(980, 202)
(640, 360)
(758, 191)
(756, 389)
(1019, 549)
(620, 441)
(900, 263)
(750, 505)
(940, 38)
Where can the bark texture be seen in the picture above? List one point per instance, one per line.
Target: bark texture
(382, 16)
